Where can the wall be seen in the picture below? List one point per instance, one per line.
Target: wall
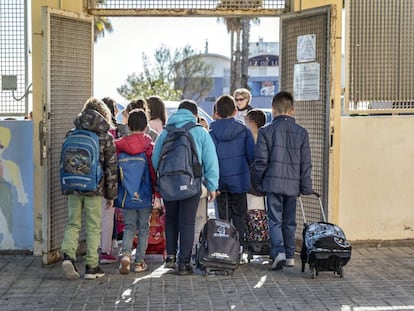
(16, 185)
(377, 180)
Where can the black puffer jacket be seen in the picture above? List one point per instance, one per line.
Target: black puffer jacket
(282, 158)
(93, 121)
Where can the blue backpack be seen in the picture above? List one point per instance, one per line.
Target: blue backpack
(80, 168)
(134, 182)
(179, 172)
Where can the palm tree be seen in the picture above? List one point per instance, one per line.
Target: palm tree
(233, 25)
(102, 25)
(239, 29)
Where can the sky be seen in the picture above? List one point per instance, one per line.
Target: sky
(118, 54)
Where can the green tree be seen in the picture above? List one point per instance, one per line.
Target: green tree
(192, 74)
(172, 76)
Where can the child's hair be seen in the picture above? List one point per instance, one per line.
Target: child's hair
(139, 103)
(225, 106)
(282, 102)
(97, 105)
(157, 109)
(257, 116)
(243, 92)
(189, 105)
(137, 120)
(111, 104)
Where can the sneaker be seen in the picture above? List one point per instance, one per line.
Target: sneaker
(184, 269)
(124, 266)
(170, 262)
(279, 261)
(114, 244)
(244, 258)
(93, 273)
(290, 262)
(140, 267)
(69, 268)
(107, 258)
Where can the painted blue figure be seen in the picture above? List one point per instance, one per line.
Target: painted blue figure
(10, 183)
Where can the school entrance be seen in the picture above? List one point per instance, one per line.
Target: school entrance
(68, 81)
(346, 153)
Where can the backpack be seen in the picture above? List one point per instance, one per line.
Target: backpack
(179, 172)
(218, 247)
(80, 168)
(134, 182)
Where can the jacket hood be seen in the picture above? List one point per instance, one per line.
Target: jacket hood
(134, 144)
(92, 120)
(226, 129)
(181, 117)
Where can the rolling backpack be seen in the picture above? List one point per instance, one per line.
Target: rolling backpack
(134, 182)
(324, 247)
(80, 168)
(218, 248)
(179, 171)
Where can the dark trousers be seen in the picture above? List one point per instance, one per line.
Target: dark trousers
(180, 219)
(281, 211)
(233, 207)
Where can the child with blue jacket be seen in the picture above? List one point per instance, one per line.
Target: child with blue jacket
(282, 170)
(181, 214)
(235, 151)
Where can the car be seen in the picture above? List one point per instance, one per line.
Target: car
(268, 112)
(171, 106)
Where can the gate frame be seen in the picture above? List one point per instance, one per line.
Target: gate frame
(41, 113)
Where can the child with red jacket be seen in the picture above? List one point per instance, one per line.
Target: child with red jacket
(137, 219)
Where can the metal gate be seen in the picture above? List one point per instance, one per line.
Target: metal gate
(68, 67)
(67, 72)
(305, 71)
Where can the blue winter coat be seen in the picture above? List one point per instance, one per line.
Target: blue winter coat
(235, 151)
(282, 158)
(205, 147)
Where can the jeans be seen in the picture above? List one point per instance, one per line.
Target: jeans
(281, 211)
(92, 209)
(180, 221)
(234, 210)
(136, 220)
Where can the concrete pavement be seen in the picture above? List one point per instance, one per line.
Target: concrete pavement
(375, 279)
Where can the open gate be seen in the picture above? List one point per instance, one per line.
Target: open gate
(68, 83)
(305, 71)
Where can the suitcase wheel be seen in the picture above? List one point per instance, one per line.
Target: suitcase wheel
(340, 271)
(314, 273)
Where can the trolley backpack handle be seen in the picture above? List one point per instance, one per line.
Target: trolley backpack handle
(317, 195)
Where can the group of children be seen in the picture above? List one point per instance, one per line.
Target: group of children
(253, 161)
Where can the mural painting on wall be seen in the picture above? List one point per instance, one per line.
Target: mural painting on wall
(16, 185)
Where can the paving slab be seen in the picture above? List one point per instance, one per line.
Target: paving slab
(375, 279)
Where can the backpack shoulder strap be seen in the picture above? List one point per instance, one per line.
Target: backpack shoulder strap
(188, 126)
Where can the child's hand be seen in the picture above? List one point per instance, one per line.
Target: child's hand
(109, 203)
(211, 195)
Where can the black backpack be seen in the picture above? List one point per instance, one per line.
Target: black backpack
(179, 171)
(218, 248)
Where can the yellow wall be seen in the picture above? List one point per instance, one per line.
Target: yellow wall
(377, 180)
(40, 192)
